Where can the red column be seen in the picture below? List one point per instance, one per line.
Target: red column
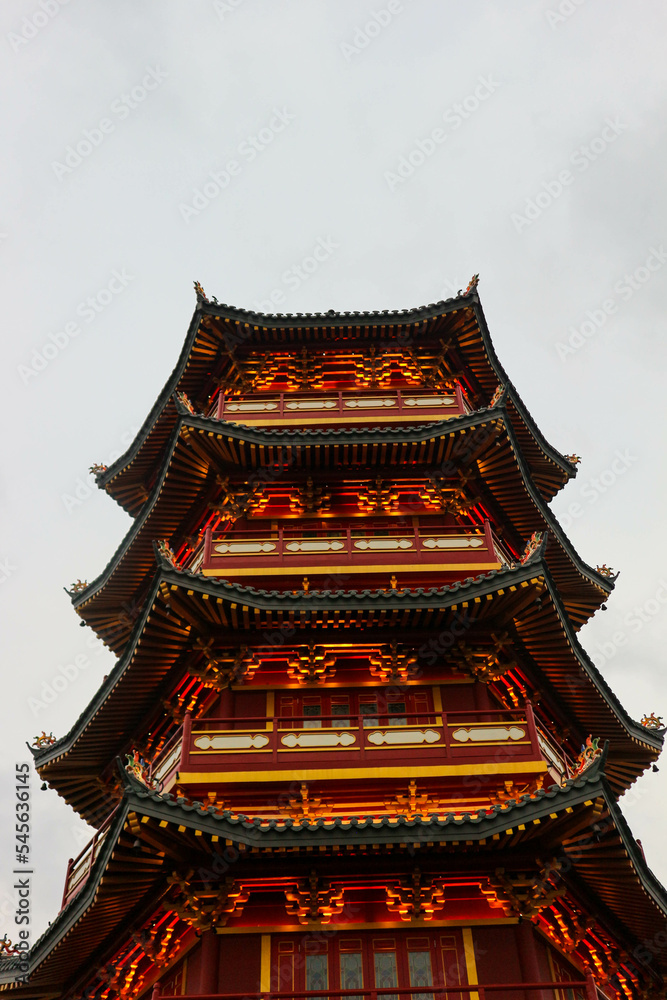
(226, 706)
(210, 957)
(529, 961)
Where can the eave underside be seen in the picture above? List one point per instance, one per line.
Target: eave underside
(184, 605)
(218, 334)
(580, 823)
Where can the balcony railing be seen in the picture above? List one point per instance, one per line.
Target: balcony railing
(275, 742)
(560, 763)
(573, 989)
(293, 409)
(291, 550)
(79, 868)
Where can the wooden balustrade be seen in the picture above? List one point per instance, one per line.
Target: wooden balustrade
(244, 552)
(290, 408)
(444, 737)
(79, 868)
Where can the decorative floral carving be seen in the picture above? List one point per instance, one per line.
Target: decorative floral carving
(205, 907)
(156, 942)
(97, 469)
(532, 545)
(392, 666)
(573, 459)
(235, 666)
(304, 807)
(652, 721)
(304, 371)
(413, 804)
(483, 662)
(312, 666)
(523, 895)
(315, 900)
(415, 898)
(379, 497)
(310, 499)
(448, 499)
(236, 502)
(371, 370)
(590, 751)
(78, 586)
(44, 740)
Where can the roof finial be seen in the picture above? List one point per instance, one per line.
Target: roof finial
(472, 284)
(201, 294)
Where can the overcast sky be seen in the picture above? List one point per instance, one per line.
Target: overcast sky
(150, 144)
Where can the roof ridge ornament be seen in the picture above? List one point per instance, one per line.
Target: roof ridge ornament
(652, 721)
(607, 571)
(202, 298)
(590, 751)
(472, 284)
(497, 396)
(532, 545)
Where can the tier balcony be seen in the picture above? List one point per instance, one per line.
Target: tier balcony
(79, 868)
(292, 409)
(262, 748)
(293, 552)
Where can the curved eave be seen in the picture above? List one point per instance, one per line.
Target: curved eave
(124, 480)
(610, 863)
(532, 439)
(73, 763)
(163, 521)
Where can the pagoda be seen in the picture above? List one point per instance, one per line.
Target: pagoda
(352, 746)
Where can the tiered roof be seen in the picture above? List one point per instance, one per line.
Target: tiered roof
(580, 820)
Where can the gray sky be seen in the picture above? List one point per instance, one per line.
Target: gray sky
(420, 142)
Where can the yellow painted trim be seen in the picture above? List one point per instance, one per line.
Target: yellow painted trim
(333, 774)
(471, 964)
(270, 708)
(415, 418)
(265, 964)
(351, 684)
(389, 926)
(437, 701)
(348, 568)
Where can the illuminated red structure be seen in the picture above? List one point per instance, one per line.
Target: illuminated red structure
(352, 745)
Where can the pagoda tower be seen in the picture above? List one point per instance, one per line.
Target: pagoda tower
(351, 746)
